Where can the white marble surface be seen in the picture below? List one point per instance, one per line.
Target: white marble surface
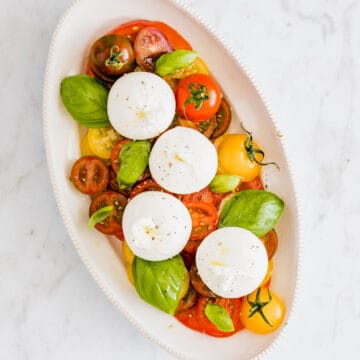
(305, 56)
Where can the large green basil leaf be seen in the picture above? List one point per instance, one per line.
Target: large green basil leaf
(219, 317)
(133, 160)
(168, 63)
(159, 282)
(86, 100)
(254, 210)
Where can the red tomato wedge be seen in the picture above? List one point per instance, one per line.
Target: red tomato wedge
(131, 29)
(204, 218)
(147, 185)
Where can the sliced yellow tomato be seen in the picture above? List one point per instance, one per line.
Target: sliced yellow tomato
(101, 141)
(127, 253)
(268, 273)
(198, 66)
(129, 273)
(234, 160)
(262, 311)
(84, 146)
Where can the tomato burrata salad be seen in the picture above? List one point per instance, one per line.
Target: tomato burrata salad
(167, 178)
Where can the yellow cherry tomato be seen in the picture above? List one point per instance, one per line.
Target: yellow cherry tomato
(234, 160)
(101, 141)
(84, 146)
(127, 253)
(129, 273)
(268, 273)
(262, 311)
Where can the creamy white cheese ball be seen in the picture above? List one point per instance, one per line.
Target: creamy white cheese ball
(232, 262)
(156, 225)
(183, 160)
(141, 105)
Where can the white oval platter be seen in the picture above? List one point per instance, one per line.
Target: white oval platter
(83, 23)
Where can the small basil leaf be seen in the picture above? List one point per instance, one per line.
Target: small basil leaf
(224, 183)
(167, 64)
(86, 100)
(99, 215)
(219, 317)
(254, 210)
(133, 159)
(159, 283)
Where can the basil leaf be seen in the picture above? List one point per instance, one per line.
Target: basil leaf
(133, 159)
(224, 183)
(99, 215)
(167, 64)
(86, 100)
(159, 283)
(219, 317)
(254, 210)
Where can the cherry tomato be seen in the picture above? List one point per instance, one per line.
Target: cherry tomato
(234, 159)
(189, 318)
(101, 141)
(262, 311)
(149, 45)
(205, 195)
(268, 273)
(111, 56)
(205, 127)
(231, 306)
(146, 185)
(198, 66)
(270, 240)
(254, 184)
(223, 119)
(204, 218)
(198, 284)
(114, 156)
(188, 301)
(131, 29)
(198, 97)
(112, 224)
(90, 175)
(84, 146)
(114, 185)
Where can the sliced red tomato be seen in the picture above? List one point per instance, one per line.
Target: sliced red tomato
(120, 235)
(205, 127)
(90, 175)
(114, 157)
(189, 318)
(254, 184)
(204, 218)
(205, 195)
(146, 185)
(149, 45)
(131, 29)
(112, 224)
(231, 306)
(198, 97)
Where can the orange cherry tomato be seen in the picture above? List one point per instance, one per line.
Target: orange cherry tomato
(270, 241)
(198, 97)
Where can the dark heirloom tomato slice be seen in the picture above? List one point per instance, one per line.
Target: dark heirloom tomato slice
(188, 301)
(205, 127)
(198, 97)
(111, 56)
(131, 29)
(222, 119)
(231, 306)
(112, 224)
(198, 284)
(150, 43)
(270, 241)
(90, 175)
(146, 185)
(188, 258)
(114, 185)
(204, 218)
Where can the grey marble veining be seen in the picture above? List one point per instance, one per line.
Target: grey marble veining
(305, 56)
